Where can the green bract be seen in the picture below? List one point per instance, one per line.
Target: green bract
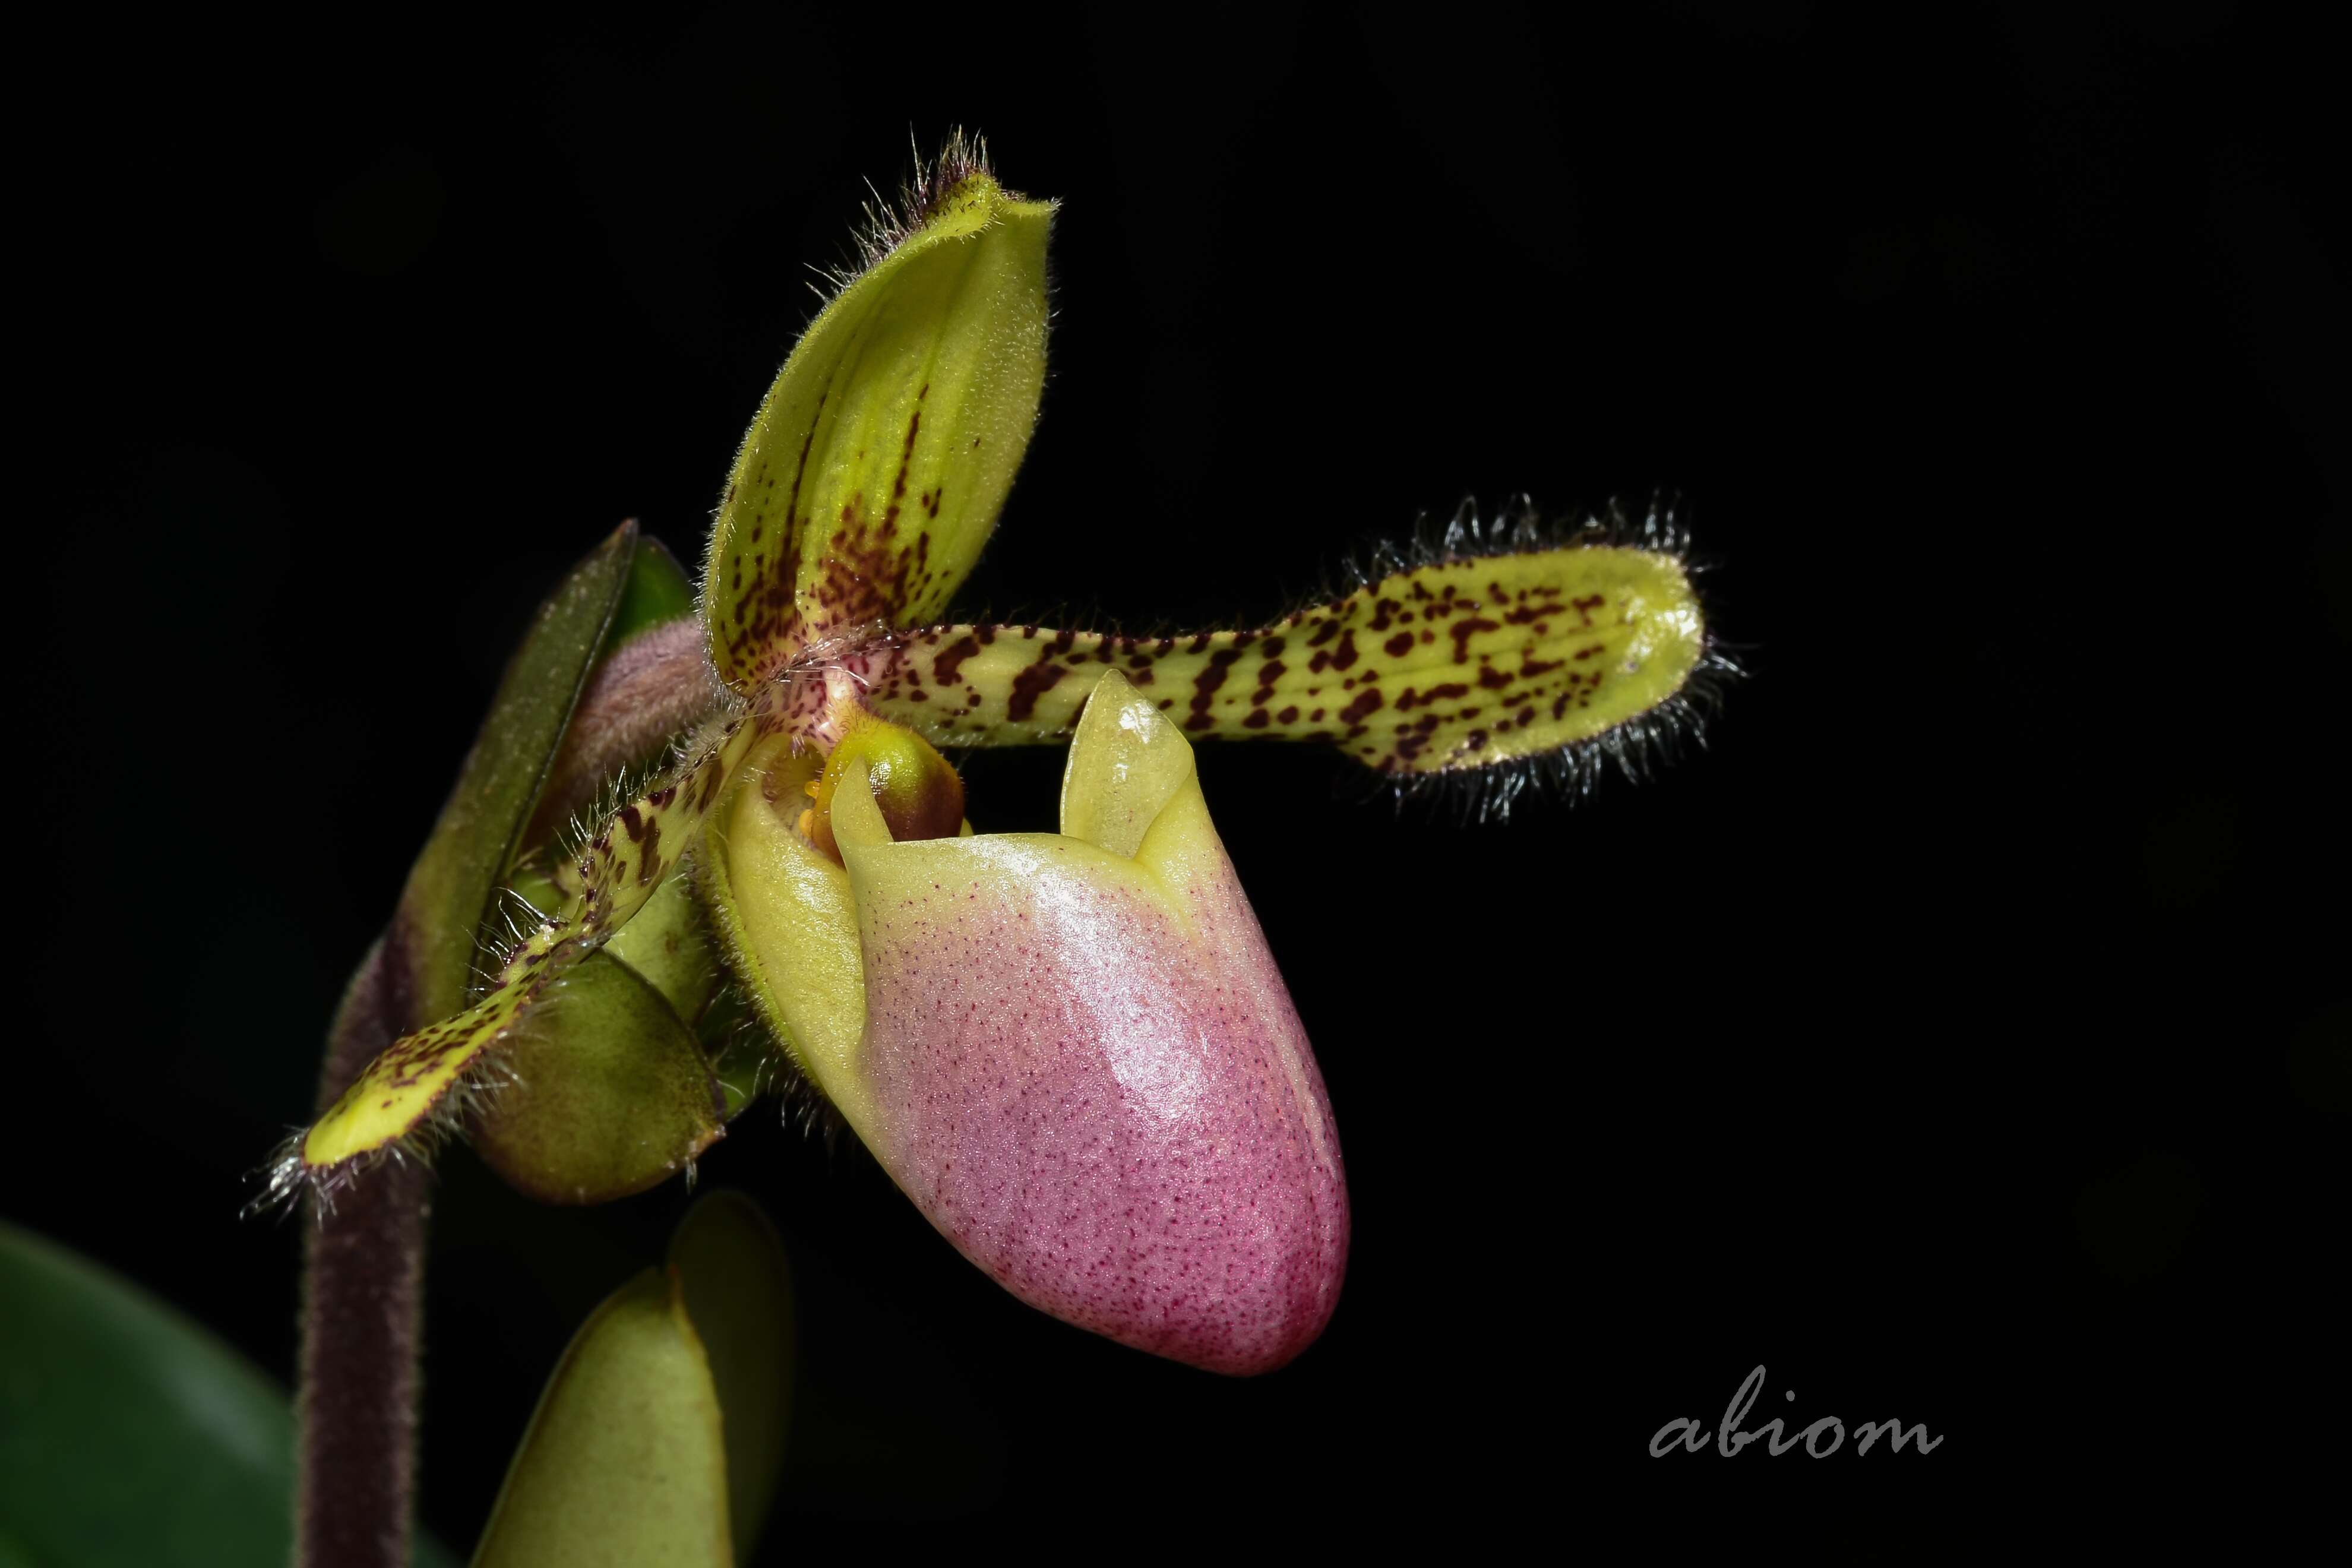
(660, 1434)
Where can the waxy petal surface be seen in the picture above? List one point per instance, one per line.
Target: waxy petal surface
(1086, 1071)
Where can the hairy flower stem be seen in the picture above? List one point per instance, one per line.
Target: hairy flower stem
(362, 1310)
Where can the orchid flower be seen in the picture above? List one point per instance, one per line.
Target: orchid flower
(1073, 1051)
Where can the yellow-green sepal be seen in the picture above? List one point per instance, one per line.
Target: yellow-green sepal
(663, 1424)
(874, 468)
(602, 1092)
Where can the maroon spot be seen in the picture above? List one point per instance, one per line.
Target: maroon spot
(1030, 685)
(1466, 629)
(1204, 685)
(948, 660)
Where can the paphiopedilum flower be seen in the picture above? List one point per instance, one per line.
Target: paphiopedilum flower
(1073, 1051)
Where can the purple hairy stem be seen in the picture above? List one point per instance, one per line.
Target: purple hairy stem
(361, 1312)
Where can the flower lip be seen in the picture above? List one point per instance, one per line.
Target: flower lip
(1083, 1066)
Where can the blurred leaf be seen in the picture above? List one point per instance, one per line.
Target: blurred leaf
(739, 1292)
(450, 888)
(128, 1434)
(612, 1093)
(624, 1461)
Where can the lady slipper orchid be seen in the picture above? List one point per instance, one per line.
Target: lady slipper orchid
(1073, 1051)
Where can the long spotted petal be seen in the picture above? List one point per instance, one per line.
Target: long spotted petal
(1453, 665)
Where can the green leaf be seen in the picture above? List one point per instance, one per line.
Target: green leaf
(451, 886)
(665, 1418)
(739, 1292)
(610, 1093)
(128, 1434)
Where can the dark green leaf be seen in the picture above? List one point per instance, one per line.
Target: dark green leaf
(128, 1435)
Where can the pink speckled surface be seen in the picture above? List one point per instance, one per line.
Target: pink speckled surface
(1116, 1117)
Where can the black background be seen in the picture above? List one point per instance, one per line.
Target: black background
(1961, 1036)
